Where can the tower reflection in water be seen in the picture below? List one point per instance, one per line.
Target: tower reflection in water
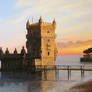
(26, 82)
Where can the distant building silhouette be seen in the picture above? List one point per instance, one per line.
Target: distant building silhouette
(40, 44)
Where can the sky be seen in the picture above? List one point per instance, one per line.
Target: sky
(73, 18)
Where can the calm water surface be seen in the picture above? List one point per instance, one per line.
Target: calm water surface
(22, 82)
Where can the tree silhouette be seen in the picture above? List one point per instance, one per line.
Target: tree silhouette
(88, 51)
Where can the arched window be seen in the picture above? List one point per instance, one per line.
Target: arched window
(48, 31)
(48, 53)
(48, 40)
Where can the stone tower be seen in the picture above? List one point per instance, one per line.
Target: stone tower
(41, 42)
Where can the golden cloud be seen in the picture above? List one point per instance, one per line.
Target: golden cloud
(73, 47)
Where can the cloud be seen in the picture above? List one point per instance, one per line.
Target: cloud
(66, 44)
(73, 47)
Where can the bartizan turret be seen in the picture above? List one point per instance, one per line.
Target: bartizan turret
(1, 52)
(23, 51)
(15, 51)
(54, 24)
(40, 20)
(7, 51)
(27, 25)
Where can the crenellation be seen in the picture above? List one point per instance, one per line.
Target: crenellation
(1, 52)
(7, 51)
(15, 51)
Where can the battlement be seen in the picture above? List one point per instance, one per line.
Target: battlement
(40, 23)
(7, 52)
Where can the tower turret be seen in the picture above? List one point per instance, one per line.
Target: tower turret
(27, 24)
(7, 51)
(40, 20)
(54, 24)
(23, 51)
(15, 51)
(1, 52)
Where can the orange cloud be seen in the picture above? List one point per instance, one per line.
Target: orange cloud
(73, 47)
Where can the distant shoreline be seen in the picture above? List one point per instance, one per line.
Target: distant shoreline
(69, 55)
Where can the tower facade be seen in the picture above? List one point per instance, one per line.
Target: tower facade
(41, 42)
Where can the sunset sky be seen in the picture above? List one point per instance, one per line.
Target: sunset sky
(73, 17)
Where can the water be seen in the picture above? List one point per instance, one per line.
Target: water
(22, 82)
